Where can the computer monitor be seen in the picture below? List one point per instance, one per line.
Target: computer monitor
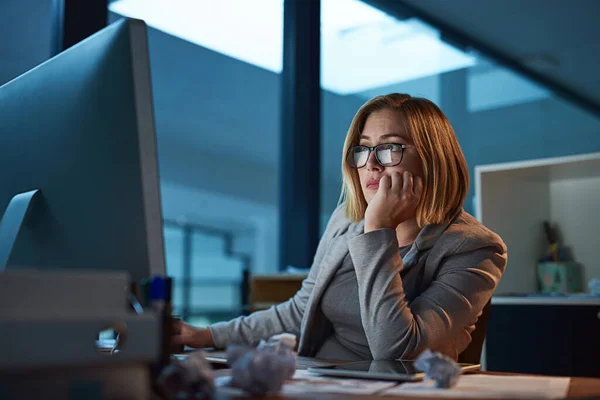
(78, 131)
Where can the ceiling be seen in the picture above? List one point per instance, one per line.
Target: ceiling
(557, 38)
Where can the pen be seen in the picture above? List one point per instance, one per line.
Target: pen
(157, 294)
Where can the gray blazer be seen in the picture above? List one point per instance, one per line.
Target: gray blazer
(431, 298)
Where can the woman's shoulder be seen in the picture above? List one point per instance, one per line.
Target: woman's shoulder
(465, 233)
(340, 224)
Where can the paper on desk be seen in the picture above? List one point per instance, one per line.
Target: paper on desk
(490, 387)
(307, 382)
(304, 382)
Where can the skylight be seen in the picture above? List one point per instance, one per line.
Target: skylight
(362, 47)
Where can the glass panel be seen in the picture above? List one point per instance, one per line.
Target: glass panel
(490, 86)
(216, 276)
(226, 26)
(217, 297)
(207, 319)
(207, 245)
(363, 48)
(174, 251)
(178, 300)
(216, 85)
(209, 260)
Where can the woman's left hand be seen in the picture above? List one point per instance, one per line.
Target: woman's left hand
(395, 202)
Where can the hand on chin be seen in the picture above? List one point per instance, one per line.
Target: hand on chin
(395, 201)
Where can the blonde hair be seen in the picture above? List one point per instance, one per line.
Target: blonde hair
(445, 171)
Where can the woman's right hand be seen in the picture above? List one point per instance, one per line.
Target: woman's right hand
(395, 202)
(187, 335)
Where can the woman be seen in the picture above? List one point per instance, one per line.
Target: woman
(401, 267)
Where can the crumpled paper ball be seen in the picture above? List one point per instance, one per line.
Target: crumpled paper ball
(261, 371)
(439, 368)
(189, 378)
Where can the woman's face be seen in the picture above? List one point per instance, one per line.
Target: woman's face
(381, 127)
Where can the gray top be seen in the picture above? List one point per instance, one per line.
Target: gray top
(430, 298)
(341, 307)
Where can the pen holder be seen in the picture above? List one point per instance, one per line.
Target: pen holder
(559, 277)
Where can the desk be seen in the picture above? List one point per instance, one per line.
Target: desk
(578, 388)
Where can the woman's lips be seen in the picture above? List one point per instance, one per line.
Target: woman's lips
(373, 184)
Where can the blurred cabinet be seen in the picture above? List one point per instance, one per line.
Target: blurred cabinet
(514, 199)
(551, 336)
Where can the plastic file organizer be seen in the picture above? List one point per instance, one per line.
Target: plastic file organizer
(49, 325)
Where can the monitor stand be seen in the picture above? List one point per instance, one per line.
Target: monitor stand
(13, 221)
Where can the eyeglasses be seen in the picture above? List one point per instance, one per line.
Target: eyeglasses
(386, 154)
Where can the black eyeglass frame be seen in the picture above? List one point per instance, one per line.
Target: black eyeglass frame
(372, 149)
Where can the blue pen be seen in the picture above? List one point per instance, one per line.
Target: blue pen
(157, 294)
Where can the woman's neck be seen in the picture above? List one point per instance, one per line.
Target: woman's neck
(407, 232)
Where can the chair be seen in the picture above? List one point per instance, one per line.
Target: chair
(472, 354)
(269, 290)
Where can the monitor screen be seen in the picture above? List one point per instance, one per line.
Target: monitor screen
(79, 128)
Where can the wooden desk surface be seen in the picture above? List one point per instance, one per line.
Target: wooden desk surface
(578, 388)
